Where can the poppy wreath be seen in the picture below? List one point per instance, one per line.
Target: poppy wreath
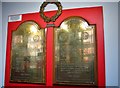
(53, 18)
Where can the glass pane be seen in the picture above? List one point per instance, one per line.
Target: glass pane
(75, 52)
(28, 54)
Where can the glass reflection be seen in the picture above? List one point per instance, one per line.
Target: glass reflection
(28, 53)
(75, 53)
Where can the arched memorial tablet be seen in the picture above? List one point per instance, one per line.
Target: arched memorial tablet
(28, 54)
(75, 52)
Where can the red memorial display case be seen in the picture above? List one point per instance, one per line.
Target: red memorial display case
(69, 53)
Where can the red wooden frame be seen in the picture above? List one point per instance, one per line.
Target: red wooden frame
(94, 15)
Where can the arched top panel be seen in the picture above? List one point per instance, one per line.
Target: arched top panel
(27, 27)
(75, 24)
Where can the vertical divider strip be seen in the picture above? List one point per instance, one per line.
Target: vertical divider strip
(49, 56)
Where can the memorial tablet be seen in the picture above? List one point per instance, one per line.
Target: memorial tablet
(28, 54)
(75, 53)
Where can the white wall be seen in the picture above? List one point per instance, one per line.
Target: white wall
(119, 43)
(1, 44)
(110, 31)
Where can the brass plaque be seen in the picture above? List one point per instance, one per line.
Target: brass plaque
(75, 53)
(28, 54)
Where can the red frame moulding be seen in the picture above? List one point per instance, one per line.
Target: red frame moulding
(94, 15)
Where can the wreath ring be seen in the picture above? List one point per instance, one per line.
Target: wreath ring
(53, 18)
